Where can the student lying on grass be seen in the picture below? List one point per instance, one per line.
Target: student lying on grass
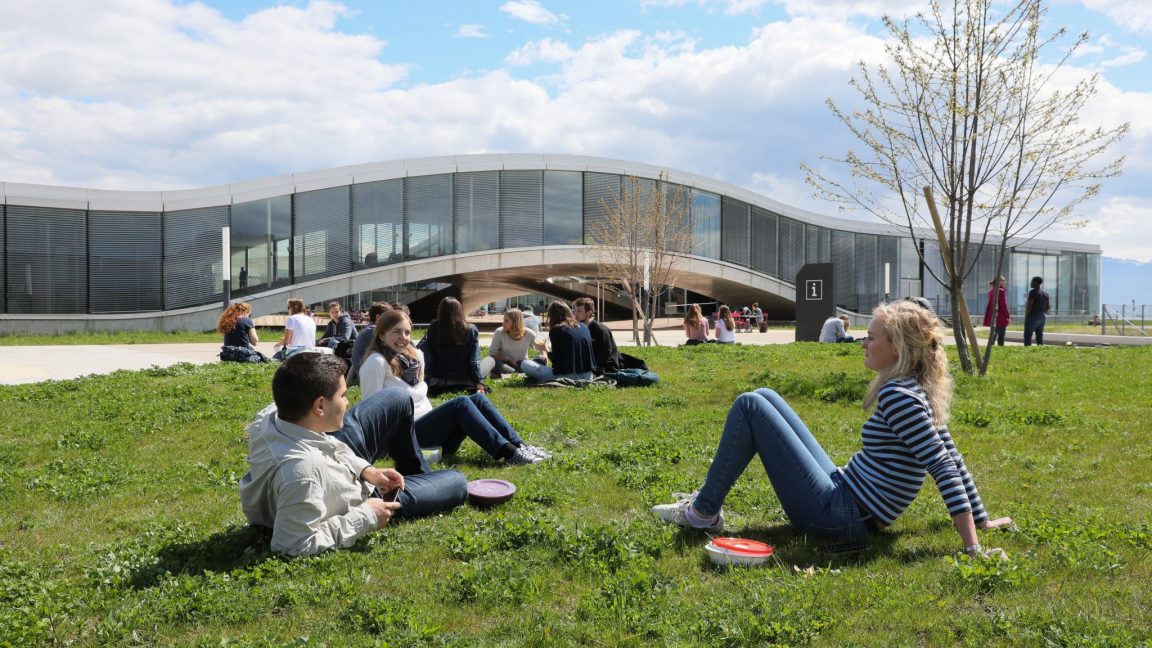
(904, 440)
(310, 474)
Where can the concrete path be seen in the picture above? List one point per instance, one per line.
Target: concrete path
(30, 364)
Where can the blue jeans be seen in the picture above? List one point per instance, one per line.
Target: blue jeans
(543, 373)
(810, 489)
(381, 425)
(1034, 324)
(996, 334)
(472, 416)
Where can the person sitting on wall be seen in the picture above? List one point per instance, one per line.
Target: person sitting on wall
(310, 474)
(603, 344)
(835, 329)
(340, 329)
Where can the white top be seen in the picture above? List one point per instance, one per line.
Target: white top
(514, 349)
(722, 332)
(376, 374)
(303, 330)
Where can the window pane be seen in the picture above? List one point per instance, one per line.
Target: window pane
(477, 210)
(124, 273)
(258, 228)
(47, 260)
(378, 222)
(428, 206)
(705, 225)
(563, 208)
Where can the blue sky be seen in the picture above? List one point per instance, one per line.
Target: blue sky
(165, 94)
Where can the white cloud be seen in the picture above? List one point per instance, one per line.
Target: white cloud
(472, 31)
(193, 98)
(531, 11)
(1132, 15)
(1114, 225)
(728, 7)
(547, 50)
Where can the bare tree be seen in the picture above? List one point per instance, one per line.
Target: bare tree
(971, 110)
(641, 243)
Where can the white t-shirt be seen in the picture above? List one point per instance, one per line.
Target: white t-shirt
(722, 332)
(303, 330)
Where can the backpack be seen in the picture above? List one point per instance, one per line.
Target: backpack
(633, 377)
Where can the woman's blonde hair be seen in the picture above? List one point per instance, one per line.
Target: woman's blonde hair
(516, 316)
(918, 337)
(385, 323)
(231, 315)
(693, 317)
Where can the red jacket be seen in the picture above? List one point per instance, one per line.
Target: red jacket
(1003, 317)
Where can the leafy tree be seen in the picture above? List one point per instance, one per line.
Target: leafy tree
(641, 241)
(973, 110)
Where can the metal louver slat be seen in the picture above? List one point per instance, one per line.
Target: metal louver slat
(322, 236)
(428, 215)
(601, 191)
(734, 240)
(476, 210)
(791, 248)
(124, 263)
(521, 208)
(763, 254)
(192, 263)
(47, 260)
(3, 275)
(377, 223)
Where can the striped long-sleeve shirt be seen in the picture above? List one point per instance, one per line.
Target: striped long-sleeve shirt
(901, 444)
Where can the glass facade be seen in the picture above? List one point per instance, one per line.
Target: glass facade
(61, 261)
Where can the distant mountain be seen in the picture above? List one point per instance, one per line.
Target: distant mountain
(1124, 281)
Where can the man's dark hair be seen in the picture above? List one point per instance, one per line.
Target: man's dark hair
(302, 379)
(376, 310)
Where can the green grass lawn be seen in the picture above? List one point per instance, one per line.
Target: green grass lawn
(120, 523)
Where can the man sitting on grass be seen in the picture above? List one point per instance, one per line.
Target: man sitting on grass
(310, 474)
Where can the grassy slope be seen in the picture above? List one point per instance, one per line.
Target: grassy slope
(119, 521)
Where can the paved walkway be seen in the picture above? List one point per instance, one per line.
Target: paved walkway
(30, 364)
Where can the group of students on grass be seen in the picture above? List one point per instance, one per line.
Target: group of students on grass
(311, 476)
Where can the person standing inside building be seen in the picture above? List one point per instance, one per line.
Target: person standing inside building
(1036, 312)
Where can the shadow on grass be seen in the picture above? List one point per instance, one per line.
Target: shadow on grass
(804, 551)
(237, 547)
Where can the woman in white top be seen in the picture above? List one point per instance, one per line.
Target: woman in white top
(725, 326)
(299, 330)
(393, 362)
(510, 344)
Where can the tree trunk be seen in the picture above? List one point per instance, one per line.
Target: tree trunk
(956, 294)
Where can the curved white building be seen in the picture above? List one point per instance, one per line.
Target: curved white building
(490, 225)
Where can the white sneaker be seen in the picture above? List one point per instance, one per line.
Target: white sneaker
(522, 458)
(678, 514)
(536, 451)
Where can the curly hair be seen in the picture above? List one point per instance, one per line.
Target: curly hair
(232, 314)
(918, 337)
